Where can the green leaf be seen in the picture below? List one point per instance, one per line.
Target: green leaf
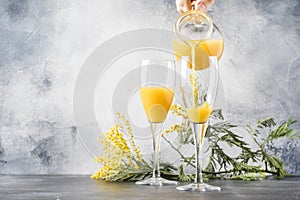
(266, 123)
(274, 163)
(253, 132)
(284, 130)
(233, 139)
(221, 127)
(182, 176)
(249, 177)
(167, 166)
(217, 114)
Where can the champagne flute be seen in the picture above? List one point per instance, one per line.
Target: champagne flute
(157, 82)
(199, 90)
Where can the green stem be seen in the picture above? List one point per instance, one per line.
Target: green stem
(230, 171)
(177, 150)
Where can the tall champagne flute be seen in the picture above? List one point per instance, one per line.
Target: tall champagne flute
(199, 90)
(157, 82)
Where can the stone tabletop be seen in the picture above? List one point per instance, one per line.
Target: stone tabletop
(59, 187)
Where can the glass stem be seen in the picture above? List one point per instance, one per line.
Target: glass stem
(199, 132)
(156, 136)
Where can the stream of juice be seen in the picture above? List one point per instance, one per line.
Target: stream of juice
(202, 51)
(197, 113)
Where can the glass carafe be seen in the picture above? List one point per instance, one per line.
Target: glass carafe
(196, 28)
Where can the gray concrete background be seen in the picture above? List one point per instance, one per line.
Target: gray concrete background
(44, 43)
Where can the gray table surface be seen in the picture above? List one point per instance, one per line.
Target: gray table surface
(82, 187)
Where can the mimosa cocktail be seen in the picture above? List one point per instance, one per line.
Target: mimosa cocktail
(157, 80)
(156, 102)
(199, 114)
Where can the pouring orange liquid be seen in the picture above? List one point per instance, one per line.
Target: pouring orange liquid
(199, 59)
(156, 102)
(197, 113)
(202, 51)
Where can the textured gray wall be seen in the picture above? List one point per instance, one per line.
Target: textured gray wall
(44, 43)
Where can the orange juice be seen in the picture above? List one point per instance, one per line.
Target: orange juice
(202, 51)
(199, 114)
(213, 47)
(156, 102)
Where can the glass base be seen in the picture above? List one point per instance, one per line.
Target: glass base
(156, 182)
(198, 187)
